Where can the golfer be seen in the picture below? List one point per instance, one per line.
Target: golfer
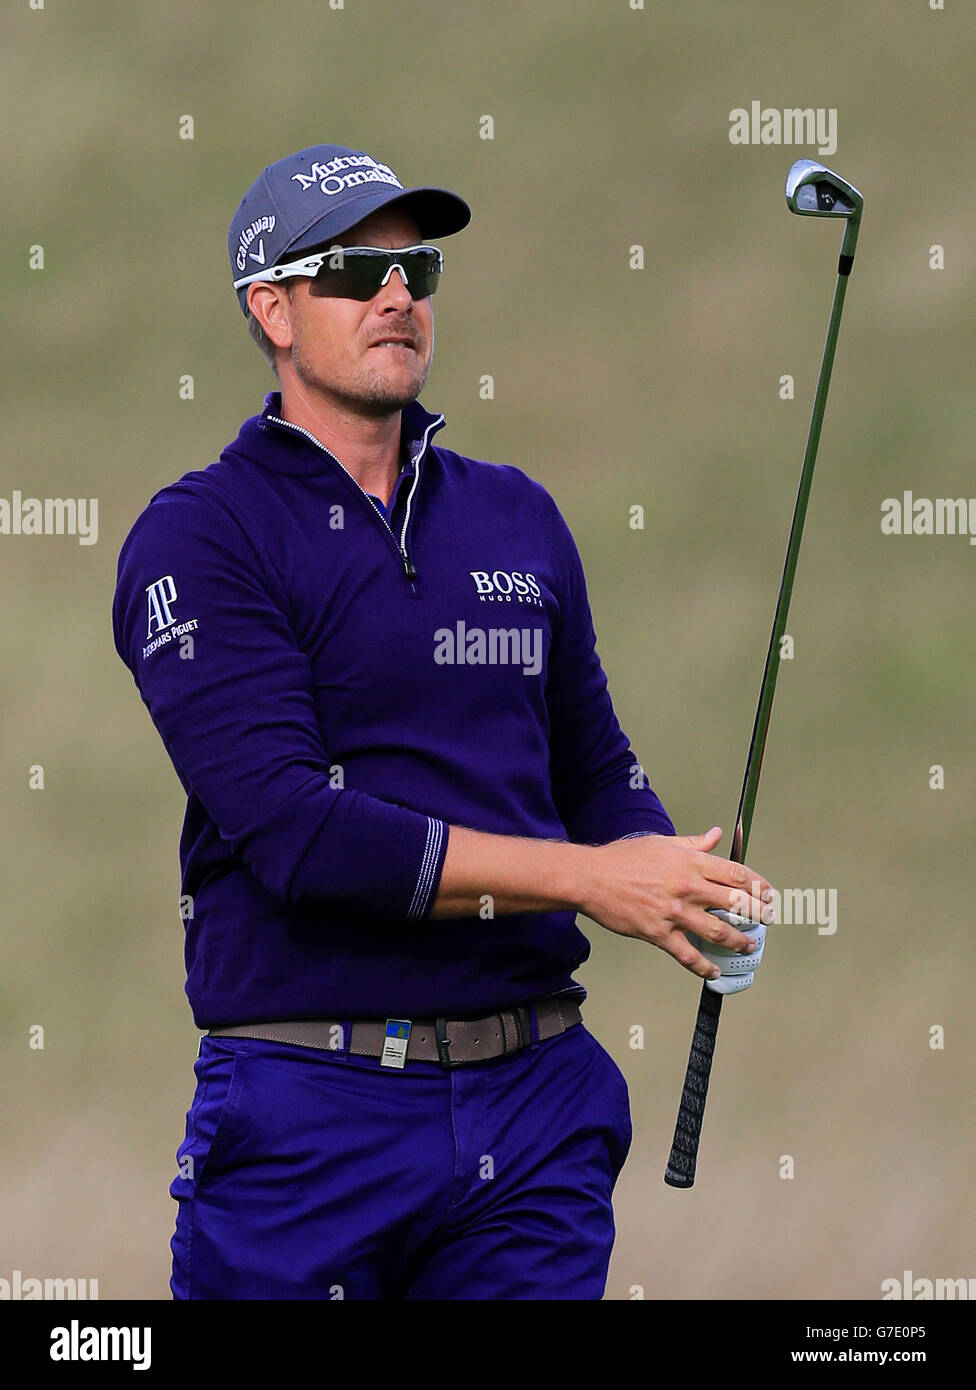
(372, 662)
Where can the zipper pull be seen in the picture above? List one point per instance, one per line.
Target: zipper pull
(410, 569)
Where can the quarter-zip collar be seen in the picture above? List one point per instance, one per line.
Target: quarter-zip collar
(296, 451)
(303, 454)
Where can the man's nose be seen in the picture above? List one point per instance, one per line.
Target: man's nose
(395, 288)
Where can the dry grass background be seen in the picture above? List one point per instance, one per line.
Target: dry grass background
(612, 387)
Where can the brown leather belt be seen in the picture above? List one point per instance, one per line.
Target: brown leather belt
(452, 1042)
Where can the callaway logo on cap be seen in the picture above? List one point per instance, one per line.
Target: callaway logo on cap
(307, 198)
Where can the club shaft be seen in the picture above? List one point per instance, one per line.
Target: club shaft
(683, 1159)
(750, 783)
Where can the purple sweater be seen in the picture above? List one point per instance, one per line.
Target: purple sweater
(336, 689)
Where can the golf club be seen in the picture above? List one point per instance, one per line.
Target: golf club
(811, 191)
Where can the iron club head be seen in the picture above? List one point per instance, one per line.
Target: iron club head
(813, 190)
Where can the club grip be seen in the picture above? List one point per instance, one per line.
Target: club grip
(680, 1171)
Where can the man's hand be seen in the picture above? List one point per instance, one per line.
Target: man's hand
(655, 887)
(658, 887)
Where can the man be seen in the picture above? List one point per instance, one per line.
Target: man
(372, 662)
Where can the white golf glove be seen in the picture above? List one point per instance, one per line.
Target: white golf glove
(737, 970)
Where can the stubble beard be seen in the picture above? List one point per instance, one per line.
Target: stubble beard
(371, 392)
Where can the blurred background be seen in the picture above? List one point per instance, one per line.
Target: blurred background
(614, 387)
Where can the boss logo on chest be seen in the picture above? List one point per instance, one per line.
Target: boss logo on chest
(507, 586)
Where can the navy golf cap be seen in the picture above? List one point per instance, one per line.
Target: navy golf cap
(307, 198)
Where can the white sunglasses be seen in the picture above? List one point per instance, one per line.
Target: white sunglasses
(359, 272)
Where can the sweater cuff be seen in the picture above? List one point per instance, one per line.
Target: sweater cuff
(428, 848)
(372, 856)
(628, 825)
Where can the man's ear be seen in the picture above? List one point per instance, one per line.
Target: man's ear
(271, 306)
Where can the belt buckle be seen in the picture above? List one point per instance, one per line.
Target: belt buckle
(444, 1044)
(523, 1029)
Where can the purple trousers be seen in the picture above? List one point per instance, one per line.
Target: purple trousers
(309, 1174)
